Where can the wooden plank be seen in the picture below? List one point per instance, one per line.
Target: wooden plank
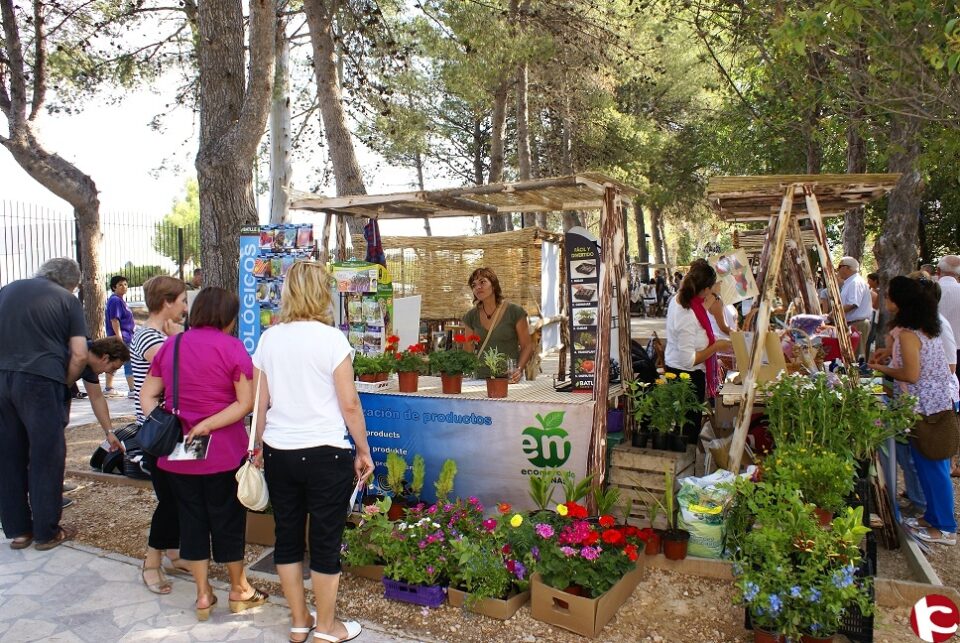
(649, 480)
(806, 270)
(627, 457)
(759, 336)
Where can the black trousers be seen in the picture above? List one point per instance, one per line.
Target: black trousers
(691, 428)
(315, 481)
(165, 524)
(209, 514)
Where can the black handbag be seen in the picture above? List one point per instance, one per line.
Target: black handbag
(161, 431)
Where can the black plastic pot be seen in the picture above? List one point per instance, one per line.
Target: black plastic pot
(660, 441)
(678, 442)
(640, 439)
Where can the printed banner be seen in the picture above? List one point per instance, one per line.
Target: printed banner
(583, 283)
(497, 445)
(248, 326)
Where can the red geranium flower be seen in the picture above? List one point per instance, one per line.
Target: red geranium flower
(459, 338)
(504, 508)
(473, 338)
(576, 511)
(630, 531)
(506, 549)
(591, 539)
(645, 534)
(393, 339)
(613, 537)
(607, 521)
(631, 551)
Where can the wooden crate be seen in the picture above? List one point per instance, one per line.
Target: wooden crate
(633, 470)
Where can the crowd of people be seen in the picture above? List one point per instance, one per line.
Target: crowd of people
(308, 408)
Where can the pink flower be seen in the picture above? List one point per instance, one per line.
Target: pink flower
(432, 509)
(544, 530)
(568, 551)
(489, 524)
(473, 500)
(590, 553)
(371, 510)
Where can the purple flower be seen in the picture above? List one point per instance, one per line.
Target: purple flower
(590, 553)
(535, 552)
(432, 509)
(430, 570)
(422, 544)
(473, 500)
(448, 507)
(544, 530)
(519, 570)
(568, 551)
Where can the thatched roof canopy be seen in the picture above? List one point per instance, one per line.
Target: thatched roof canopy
(576, 192)
(756, 198)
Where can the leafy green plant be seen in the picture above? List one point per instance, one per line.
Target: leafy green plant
(411, 360)
(606, 500)
(454, 361)
(823, 477)
(444, 482)
(542, 488)
(665, 404)
(574, 491)
(479, 569)
(419, 474)
(361, 544)
(627, 510)
(495, 362)
(372, 364)
(396, 473)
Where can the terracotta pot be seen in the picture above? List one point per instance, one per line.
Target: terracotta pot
(576, 590)
(763, 636)
(369, 377)
(825, 517)
(497, 387)
(408, 381)
(675, 544)
(396, 509)
(451, 383)
(810, 638)
(653, 544)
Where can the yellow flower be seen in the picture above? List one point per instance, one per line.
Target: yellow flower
(516, 521)
(670, 376)
(562, 510)
(684, 376)
(660, 381)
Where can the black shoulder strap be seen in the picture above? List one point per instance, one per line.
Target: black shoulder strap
(176, 374)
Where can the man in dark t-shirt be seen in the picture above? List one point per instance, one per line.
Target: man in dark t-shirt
(43, 348)
(103, 356)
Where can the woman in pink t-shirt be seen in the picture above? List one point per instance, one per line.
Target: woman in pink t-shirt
(215, 394)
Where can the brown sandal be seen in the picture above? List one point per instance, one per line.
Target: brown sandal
(21, 542)
(162, 586)
(256, 599)
(64, 534)
(203, 613)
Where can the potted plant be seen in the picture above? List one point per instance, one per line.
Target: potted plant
(573, 490)
(419, 470)
(824, 478)
(373, 367)
(635, 390)
(489, 575)
(396, 480)
(409, 364)
(495, 364)
(606, 500)
(674, 540)
(541, 489)
(444, 483)
(453, 363)
(665, 406)
(361, 554)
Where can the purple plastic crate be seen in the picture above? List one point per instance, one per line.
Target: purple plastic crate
(426, 595)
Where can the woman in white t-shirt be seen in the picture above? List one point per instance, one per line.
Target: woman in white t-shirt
(308, 405)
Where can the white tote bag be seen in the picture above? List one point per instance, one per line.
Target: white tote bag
(251, 484)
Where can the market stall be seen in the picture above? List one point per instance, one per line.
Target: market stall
(534, 427)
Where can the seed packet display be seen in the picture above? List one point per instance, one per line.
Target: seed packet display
(276, 263)
(373, 339)
(286, 262)
(305, 236)
(371, 311)
(354, 308)
(267, 234)
(289, 237)
(355, 336)
(264, 290)
(262, 267)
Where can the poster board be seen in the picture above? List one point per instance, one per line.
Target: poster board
(366, 293)
(773, 361)
(734, 276)
(583, 289)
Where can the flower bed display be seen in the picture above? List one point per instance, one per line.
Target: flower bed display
(498, 608)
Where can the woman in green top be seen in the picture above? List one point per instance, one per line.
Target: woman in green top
(511, 334)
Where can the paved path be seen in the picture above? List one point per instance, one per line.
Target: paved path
(79, 593)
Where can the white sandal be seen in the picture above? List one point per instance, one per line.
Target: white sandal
(353, 631)
(303, 630)
(945, 537)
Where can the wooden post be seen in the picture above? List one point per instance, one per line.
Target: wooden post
(325, 238)
(806, 270)
(611, 232)
(341, 237)
(565, 313)
(763, 270)
(830, 277)
(760, 333)
(622, 278)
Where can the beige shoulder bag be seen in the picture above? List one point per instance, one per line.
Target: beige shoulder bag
(493, 325)
(251, 483)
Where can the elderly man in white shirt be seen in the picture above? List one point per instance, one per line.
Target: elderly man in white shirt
(856, 301)
(948, 271)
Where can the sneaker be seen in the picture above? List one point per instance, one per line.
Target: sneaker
(67, 502)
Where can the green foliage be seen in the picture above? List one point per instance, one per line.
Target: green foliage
(396, 473)
(495, 362)
(607, 500)
(185, 213)
(410, 360)
(665, 404)
(824, 478)
(444, 482)
(137, 275)
(574, 490)
(541, 488)
(363, 543)
(373, 364)
(454, 361)
(480, 569)
(419, 473)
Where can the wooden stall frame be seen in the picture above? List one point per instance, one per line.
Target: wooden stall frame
(753, 198)
(582, 191)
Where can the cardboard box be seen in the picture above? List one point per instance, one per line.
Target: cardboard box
(373, 572)
(260, 528)
(498, 608)
(585, 616)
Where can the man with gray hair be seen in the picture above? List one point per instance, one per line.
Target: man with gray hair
(856, 300)
(43, 346)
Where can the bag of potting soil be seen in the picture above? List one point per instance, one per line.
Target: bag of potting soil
(703, 506)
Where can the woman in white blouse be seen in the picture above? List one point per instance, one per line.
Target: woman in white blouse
(692, 345)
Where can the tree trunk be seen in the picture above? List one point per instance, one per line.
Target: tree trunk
(280, 168)
(523, 135)
(643, 253)
(854, 233)
(498, 133)
(49, 169)
(346, 169)
(896, 248)
(418, 162)
(656, 227)
(233, 116)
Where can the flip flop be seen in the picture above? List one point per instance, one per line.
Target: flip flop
(303, 630)
(64, 534)
(945, 537)
(256, 599)
(21, 542)
(353, 631)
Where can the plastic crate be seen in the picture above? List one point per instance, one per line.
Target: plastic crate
(426, 595)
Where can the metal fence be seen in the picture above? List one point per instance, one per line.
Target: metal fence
(134, 245)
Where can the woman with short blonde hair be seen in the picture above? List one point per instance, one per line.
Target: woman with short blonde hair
(307, 408)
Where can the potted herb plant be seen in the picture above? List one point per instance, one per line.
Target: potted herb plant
(409, 364)
(675, 540)
(824, 478)
(635, 390)
(419, 470)
(396, 480)
(444, 483)
(495, 365)
(665, 406)
(541, 489)
(372, 368)
(361, 554)
(488, 576)
(453, 363)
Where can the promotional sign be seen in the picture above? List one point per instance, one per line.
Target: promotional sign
(583, 286)
(366, 293)
(735, 277)
(266, 254)
(497, 445)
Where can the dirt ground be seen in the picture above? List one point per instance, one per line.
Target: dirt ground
(665, 607)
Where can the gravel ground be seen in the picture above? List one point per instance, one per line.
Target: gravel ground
(665, 607)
